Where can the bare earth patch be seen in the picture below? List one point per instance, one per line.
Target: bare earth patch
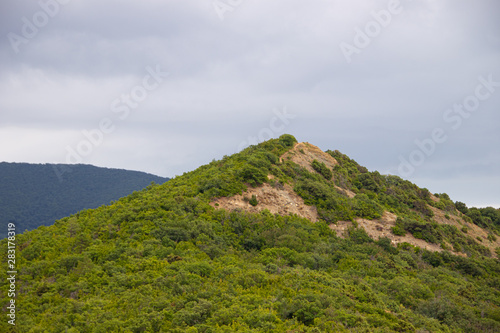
(434, 198)
(282, 201)
(305, 153)
(347, 192)
(473, 230)
(379, 228)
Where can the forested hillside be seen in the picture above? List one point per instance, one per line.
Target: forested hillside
(38, 194)
(228, 248)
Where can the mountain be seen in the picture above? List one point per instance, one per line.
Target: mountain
(32, 195)
(281, 237)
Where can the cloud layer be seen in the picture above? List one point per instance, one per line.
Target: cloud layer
(68, 67)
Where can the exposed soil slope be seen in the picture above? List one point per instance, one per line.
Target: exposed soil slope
(473, 230)
(379, 228)
(305, 153)
(280, 200)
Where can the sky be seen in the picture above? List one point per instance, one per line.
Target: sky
(410, 88)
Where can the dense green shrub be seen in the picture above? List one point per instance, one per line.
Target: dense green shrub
(287, 140)
(421, 206)
(367, 181)
(253, 201)
(359, 235)
(367, 208)
(322, 169)
(252, 175)
(399, 228)
(460, 206)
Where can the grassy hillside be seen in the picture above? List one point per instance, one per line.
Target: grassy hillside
(176, 257)
(38, 194)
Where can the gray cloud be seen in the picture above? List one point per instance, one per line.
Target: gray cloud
(227, 76)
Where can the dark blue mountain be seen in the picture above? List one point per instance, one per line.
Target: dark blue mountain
(32, 195)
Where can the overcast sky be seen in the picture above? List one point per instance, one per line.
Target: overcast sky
(405, 87)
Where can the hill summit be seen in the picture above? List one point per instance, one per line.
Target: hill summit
(281, 237)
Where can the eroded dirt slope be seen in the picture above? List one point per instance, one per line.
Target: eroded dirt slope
(473, 230)
(304, 153)
(278, 200)
(380, 228)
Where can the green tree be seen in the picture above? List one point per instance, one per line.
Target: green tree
(460, 206)
(322, 169)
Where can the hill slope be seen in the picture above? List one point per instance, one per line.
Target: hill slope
(230, 247)
(38, 194)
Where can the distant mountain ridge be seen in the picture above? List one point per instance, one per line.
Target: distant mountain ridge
(38, 194)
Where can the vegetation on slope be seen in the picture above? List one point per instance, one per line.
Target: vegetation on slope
(38, 194)
(413, 207)
(164, 260)
(488, 217)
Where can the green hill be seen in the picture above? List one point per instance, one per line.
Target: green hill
(38, 194)
(281, 237)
